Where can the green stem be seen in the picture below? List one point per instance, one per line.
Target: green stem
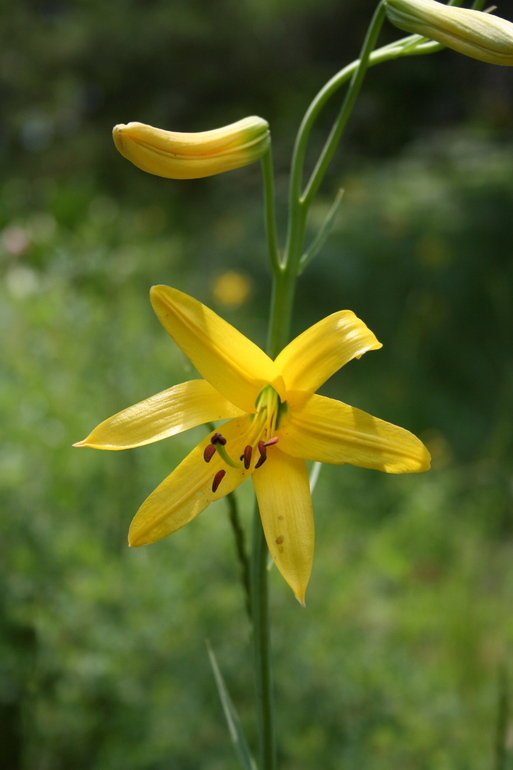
(269, 210)
(262, 647)
(284, 286)
(284, 282)
(240, 545)
(282, 305)
(299, 201)
(350, 98)
(414, 44)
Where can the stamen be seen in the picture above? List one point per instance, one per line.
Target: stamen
(218, 438)
(263, 454)
(248, 451)
(272, 441)
(217, 479)
(209, 452)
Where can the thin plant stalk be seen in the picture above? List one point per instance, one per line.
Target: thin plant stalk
(262, 647)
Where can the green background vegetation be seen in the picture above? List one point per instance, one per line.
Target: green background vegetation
(401, 658)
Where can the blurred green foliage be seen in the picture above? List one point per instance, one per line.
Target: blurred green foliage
(401, 658)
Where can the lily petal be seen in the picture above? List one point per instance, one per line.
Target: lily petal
(283, 493)
(320, 351)
(328, 431)
(167, 413)
(187, 491)
(234, 365)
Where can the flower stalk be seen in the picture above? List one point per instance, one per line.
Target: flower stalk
(261, 636)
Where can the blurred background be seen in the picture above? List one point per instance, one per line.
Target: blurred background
(401, 658)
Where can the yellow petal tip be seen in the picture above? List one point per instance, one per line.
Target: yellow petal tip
(300, 596)
(133, 541)
(139, 536)
(117, 135)
(158, 290)
(424, 461)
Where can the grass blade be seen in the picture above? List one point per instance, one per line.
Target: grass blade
(232, 718)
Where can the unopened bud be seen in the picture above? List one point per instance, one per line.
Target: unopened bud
(473, 33)
(190, 156)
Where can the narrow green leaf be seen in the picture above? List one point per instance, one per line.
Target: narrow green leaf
(232, 718)
(321, 237)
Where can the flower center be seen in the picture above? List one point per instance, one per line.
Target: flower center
(259, 438)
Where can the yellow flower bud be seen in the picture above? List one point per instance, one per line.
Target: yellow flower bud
(190, 156)
(473, 33)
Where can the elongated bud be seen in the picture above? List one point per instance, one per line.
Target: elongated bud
(190, 156)
(473, 33)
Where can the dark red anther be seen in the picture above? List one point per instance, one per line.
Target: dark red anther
(218, 438)
(263, 454)
(272, 441)
(248, 451)
(209, 452)
(217, 479)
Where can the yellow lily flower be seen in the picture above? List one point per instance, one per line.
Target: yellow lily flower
(176, 155)
(275, 423)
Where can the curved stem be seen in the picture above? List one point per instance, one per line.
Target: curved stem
(350, 98)
(299, 202)
(408, 46)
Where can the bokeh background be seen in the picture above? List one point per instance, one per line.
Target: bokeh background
(401, 658)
